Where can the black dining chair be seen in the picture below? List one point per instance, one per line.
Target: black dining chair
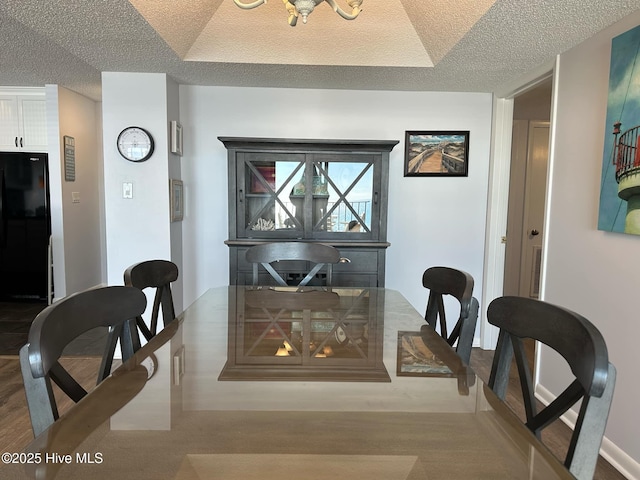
(319, 254)
(442, 281)
(581, 344)
(158, 274)
(59, 324)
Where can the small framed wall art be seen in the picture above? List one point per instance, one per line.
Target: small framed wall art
(436, 153)
(176, 138)
(177, 200)
(69, 159)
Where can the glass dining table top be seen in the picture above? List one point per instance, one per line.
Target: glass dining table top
(262, 383)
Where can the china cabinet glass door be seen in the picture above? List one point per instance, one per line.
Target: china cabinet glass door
(294, 195)
(266, 183)
(348, 205)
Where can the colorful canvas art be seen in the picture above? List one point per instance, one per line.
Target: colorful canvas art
(620, 185)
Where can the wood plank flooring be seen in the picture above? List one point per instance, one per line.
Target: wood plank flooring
(15, 320)
(15, 427)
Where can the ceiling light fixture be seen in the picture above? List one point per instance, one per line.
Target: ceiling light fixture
(305, 7)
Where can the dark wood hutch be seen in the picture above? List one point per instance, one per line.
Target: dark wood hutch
(329, 191)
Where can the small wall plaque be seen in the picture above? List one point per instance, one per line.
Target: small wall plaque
(176, 138)
(69, 158)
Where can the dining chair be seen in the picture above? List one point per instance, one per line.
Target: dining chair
(582, 346)
(442, 281)
(59, 324)
(319, 254)
(158, 274)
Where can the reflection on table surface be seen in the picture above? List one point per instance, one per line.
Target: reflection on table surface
(185, 422)
(312, 334)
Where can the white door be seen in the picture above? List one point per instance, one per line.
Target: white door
(534, 201)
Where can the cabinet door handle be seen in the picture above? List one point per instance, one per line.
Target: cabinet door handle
(16, 141)
(375, 198)
(240, 196)
(21, 142)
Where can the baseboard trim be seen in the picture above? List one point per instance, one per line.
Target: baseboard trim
(617, 457)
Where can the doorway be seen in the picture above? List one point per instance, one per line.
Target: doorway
(527, 190)
(527, 195)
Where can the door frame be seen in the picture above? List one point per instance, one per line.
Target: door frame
(498, 194)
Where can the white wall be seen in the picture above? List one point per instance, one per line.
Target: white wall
(432, 221)
(592, 272)
(175, 172)
(137, 229)
(76, 227)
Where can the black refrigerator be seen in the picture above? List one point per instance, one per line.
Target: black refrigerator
(25, 226)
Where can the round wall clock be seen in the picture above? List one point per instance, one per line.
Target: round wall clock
(135, 144)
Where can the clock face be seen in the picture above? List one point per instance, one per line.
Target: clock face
(135, 144)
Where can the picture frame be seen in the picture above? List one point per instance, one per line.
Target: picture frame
(69, 158)
(436, 153)
(176, 188)
(176, 138)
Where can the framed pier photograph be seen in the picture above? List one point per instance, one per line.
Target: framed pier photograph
(436, 153)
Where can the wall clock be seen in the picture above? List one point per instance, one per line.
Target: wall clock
(135, 144)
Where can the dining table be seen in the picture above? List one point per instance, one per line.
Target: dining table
(273, 382)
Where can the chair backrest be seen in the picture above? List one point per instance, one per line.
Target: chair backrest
(584, 349)
(158, 274)
(267, 253)
(55, 327)
(443, 281)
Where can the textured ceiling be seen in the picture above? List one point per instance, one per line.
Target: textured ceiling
(263, 36)
(473, 45)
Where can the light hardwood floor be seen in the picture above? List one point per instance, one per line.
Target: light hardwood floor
(15, 428)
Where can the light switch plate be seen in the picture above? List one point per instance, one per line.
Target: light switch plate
(127, 190)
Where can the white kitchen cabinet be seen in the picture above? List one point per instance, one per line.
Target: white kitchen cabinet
(23, 123)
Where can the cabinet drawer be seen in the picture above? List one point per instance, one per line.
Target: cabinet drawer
(355, 280)
(362, 261)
